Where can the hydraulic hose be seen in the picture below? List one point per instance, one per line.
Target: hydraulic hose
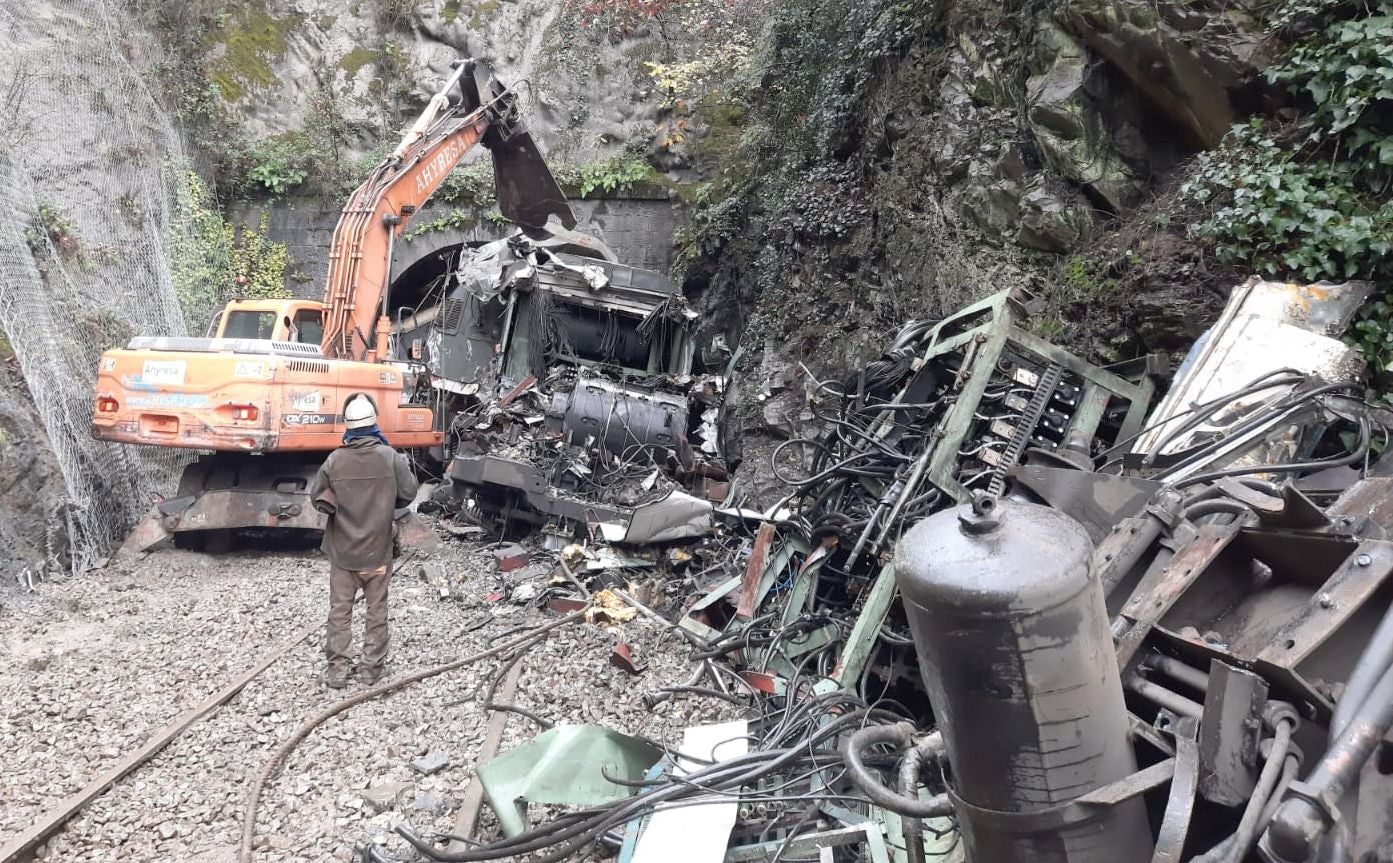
(913, 828)
(1199, 510)
(1372, 663)
(283, 751)
(902, 804)
(1263, 791)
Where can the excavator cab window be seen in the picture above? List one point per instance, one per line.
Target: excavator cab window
(250, 325)
(308, 327)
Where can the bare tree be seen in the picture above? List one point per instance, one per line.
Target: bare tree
(15, 122)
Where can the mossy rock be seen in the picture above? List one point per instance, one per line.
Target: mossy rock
(356, 59)
(251, 40)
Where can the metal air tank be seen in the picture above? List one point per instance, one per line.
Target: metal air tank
(1012, 638)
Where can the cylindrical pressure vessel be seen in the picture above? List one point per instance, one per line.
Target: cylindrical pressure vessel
(1013, 646)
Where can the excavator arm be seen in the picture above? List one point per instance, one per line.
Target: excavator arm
(355, 297)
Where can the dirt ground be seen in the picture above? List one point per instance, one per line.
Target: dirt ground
(99, 662)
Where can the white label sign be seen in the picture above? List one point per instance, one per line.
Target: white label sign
(307, 403)
(162, 372)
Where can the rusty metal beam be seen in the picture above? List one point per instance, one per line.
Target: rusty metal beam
(473, 803)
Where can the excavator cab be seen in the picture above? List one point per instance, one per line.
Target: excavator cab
(292, 320)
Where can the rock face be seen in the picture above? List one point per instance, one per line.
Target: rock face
(1082, 126)
(998, 144)
(276, 62)
(31, 487)
(1190, 59)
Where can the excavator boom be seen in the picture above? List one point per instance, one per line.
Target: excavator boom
(355, 297)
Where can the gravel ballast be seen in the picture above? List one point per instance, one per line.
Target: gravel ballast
(100, 662)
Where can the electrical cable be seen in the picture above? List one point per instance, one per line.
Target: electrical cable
(283, 751)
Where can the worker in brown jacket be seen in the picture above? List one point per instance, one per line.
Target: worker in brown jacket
(360, 487)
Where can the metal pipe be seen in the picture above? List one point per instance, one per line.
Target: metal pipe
(912, 828)
(1163, 697)
(1179, 671)
(1266, 785)
(1300, 824)
(1113, 567)
(1224, 850)
(1372, 663)
(1234, 508)
(897, 735)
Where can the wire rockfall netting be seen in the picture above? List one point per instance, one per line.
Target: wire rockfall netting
(91, 172)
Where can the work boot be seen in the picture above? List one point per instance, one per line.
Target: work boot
(368, 676)
(335, 679)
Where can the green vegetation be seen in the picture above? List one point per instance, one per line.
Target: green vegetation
(1309, 198)
(51, 229)
(1289, 216)
(356, 59)
(1083, 280)
(470, 190)
(277, 166)
(455, 220)
(482, 10)
(622, 173)
(392, 14)
(212, 260)
(251, 38)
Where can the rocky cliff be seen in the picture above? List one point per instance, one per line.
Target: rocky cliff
(924, 154)
(838, 166)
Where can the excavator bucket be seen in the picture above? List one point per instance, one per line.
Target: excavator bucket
(527, 192)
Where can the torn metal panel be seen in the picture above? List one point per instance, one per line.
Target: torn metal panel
(1265, 328)
(696, 833)
(675, 517)
(563, 766)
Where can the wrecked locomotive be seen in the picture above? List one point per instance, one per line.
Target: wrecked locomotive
(569, 381)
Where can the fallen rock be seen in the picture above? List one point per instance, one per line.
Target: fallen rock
(1186, 64)
(380, 798)
(431, 763)
(429, 804)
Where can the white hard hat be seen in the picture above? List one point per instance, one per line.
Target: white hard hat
(359, 413)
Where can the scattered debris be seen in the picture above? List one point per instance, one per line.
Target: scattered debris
(1001, 614)
(623, 657)
(987, 549)
(591, 421)
(510, 558)
(385, 796)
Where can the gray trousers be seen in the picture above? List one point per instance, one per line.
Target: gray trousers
(344, 585)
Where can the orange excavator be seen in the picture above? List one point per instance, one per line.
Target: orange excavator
(266, 393)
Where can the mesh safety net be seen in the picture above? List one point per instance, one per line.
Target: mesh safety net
(93, 220)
